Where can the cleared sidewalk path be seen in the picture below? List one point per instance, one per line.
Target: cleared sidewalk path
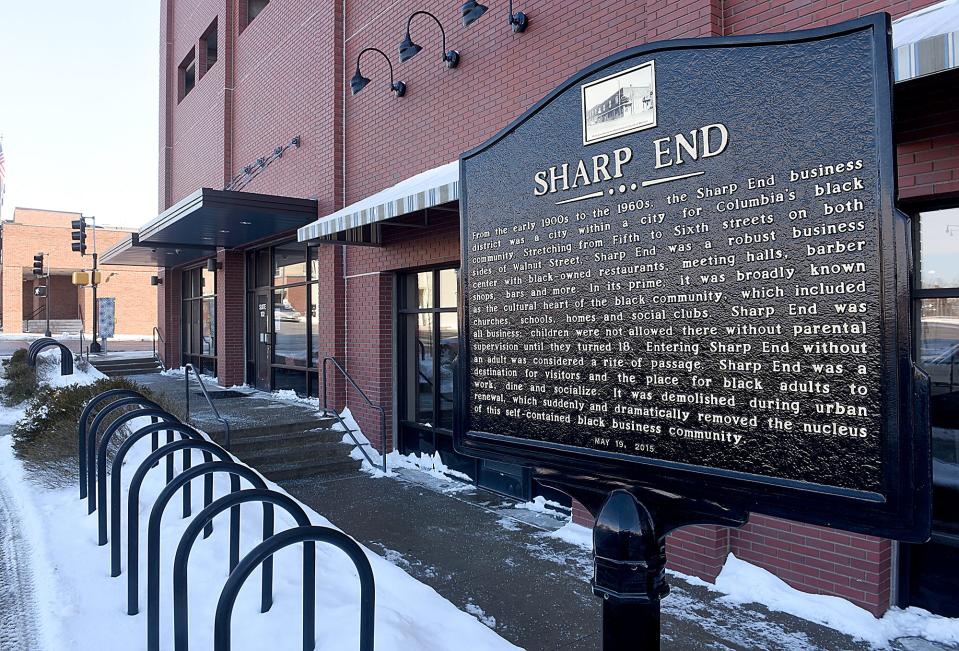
(18, 630)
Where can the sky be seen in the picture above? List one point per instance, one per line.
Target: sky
(79, 88)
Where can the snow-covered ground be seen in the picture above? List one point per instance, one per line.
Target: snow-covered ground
(80, 607)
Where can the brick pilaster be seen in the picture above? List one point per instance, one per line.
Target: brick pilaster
(230, 319)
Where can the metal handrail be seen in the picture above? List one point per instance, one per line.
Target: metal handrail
(79, 355)
(155, 335)
(368, 401)
(216, 413)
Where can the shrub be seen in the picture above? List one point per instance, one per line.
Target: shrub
(46, 437)
(21, 381)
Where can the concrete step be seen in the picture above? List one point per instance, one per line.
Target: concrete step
(126, 366)
(304, 453)
(281, 471)
(238, 434)
(251, 444)
(56, 325)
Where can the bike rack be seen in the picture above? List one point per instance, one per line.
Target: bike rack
(133, 505)
(91, 441)
(121, 420)
(269, 547)
(82, 429)
(187, 433)
(66, 355)
(182, 559)
(236, 470)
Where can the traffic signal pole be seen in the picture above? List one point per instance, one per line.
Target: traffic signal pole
(46, 298)
(79, 237)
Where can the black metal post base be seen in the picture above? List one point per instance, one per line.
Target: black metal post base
(630, 626)
(629, 551)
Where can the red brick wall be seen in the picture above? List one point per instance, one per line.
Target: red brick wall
(819, 560)
(755, 16)
(230, 318)
(169, 309)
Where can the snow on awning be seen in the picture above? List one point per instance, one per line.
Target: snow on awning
(926, 41)
(431, 188)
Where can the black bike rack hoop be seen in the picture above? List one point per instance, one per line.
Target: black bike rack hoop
(181, 561)
(91, 441)
(133, 505)
(269, 547)
(66, 355)
(82, 428)
(116, 473)
(236, 471)
(101, 457)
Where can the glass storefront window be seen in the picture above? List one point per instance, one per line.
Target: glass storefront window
(938, 246)
(424, 289)
(448, 354)
(939, 357)
(289, 264)
(289, 326)
(448, 288)
(198, 317)
(423, 352)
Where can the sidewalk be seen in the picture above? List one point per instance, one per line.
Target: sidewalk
(499, 562)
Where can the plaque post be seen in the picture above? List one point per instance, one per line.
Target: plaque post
(629, 559)
(629, 573)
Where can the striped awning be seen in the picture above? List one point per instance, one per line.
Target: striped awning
(431, 188)
(926, 41)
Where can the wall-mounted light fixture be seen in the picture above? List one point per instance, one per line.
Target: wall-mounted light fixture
(472, 10)
(359, 82)
(156, 280)
(409, 49)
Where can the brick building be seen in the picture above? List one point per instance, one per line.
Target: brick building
(32, 231)
(255, 99)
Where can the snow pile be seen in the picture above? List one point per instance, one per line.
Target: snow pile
(574, 534)
(431, 465)
(84, 609)
(542, 505)
(744, 583)
(48, 371)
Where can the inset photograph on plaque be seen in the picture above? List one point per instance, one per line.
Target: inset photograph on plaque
(619, 104)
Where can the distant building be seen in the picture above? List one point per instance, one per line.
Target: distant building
(33, 231)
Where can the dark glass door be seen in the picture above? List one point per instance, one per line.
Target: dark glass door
(262, 339)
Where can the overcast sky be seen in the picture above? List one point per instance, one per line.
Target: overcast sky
(78, 107)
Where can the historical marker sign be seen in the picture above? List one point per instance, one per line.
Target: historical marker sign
(683, 268)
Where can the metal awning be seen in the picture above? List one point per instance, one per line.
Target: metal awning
(926, 41)
(129, 252)
(209, 219)
(427, 190)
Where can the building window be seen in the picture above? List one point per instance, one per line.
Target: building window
(187, 74)
(428, 350)
(199, 319)
(250, 9)
(283, 327)
(208, 46)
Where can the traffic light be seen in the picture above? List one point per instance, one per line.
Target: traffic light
(40, 291)
(79, 236)
(38, 264)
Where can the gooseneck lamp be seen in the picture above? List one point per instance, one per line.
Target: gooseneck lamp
(359, 82)
(409, 49)
(472, 10)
